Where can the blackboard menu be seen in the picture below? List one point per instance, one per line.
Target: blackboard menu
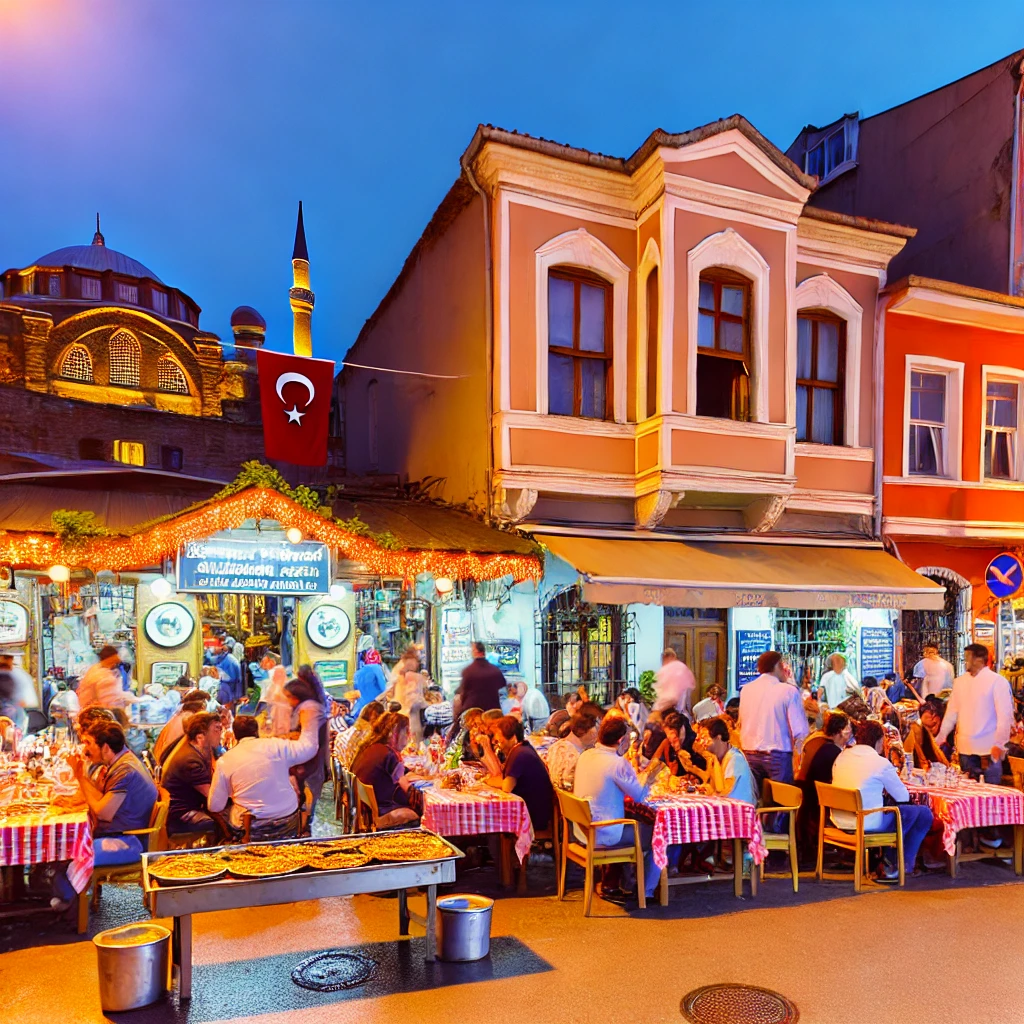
(750, 645)
(877, 651)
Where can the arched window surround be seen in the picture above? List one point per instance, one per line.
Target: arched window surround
(171, 378)
(125, 359)
(77, 365)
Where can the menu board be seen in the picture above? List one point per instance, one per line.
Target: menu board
(877, 651)
(750, 645)
(217, 566)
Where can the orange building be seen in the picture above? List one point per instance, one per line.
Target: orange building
(664, 366)
(953, 465)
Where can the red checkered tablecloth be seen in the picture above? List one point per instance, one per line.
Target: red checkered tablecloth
(975, 805)
(701, 819)
(449, 812)
(38, 840)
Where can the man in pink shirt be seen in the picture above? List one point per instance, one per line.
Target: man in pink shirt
(100, 686)
(674, 684)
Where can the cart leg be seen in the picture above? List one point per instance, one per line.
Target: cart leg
(403, 912)
(737, 866)
(663, 887)
(181, 955)
(431, 921)
(1018, 849)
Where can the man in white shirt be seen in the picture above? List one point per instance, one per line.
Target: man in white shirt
(536, 710)
(981, 708)
(674, 684)
(838, 683)
(253, 775)
(563, 755)
(604, 778)
(773, 722)
(932, 673)
(863, 768)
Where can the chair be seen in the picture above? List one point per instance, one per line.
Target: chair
(588, 855)
(340, 793)
(779, 798)
(367, 814)
(152, 838)
(859, 841)
(1017, 770)
(301, 820)
(550, 834)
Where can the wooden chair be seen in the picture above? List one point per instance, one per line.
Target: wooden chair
(859, 841)
(550, 834)
(1017, 770)
(588, 855)
(779, 798)
(340, 794)
(366, 803)
(152, 838)
(302, 819)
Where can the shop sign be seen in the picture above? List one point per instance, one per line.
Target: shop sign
(169, 625)
(877, 651)
(13, 622)
(167, 673)
(328, 626)
(1004, 575)
(332, 673)
(254, 567)
(750, 645)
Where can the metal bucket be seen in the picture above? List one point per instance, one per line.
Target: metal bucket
(464, 927)
(133, 963)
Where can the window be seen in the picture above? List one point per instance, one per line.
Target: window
(131, 453)
(128, 293)
(55, 285)
(181, 310)
(653, 354)
(171, 377)
(723, 346)
(159, 300)
(1001, 404)
(91, 288)
(92, 449)
(832, 148)
(77, 364)
(820, 352)
(927, 440)
(171, 459)
(125, 357)
(579, 345)
(808, 638)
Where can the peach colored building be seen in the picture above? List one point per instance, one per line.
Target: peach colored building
(664, 367)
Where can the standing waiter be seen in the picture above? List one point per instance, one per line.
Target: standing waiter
(482, 684)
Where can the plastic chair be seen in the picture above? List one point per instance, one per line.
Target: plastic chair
(859, 841)
(588, 855)
(779, 798)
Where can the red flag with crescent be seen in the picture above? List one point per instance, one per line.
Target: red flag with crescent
(295, 398)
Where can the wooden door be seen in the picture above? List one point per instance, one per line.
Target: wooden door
(703, 649)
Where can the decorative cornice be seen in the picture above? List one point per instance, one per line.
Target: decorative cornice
(841, 241)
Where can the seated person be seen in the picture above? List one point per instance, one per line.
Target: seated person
(676, 749)
(563, 754)
(895, 689)
(437, 713)
(346, 743)
(536, 710)
(120, 798)
(523, 772)
(171, 733)
(558, 723)
(921, 742)
(341, 716)
(188, 773)
(712, 705)
(728, 771)
(862, 767)
(378, 765)
(836, 737)
(253, 776)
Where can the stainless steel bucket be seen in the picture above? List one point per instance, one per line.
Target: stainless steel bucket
(133, 963)
(464, 927)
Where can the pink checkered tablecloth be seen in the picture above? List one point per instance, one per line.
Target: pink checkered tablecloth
(38, 840)
(701, 819)
(976, 805)
(449, 812)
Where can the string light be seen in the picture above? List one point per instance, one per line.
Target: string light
(150, 545)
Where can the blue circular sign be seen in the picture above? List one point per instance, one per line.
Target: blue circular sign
(1004, 575)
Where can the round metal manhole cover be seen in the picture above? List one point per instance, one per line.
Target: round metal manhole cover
(738, 1004)
(333, 971)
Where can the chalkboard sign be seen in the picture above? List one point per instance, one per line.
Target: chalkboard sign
(877, 651)
(750, 645)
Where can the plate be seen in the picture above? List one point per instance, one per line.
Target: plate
(202, 860)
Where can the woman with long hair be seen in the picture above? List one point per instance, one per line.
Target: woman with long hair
(303, 698)
(378, 764)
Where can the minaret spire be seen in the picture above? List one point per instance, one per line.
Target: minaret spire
(98, 238)
(299, 296)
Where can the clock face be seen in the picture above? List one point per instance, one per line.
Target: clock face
(328, 626)
(13, 622)
(169, 624)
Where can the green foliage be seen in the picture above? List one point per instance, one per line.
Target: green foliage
(646, 686)
(258, 474)
(73, 527)
(386, 540)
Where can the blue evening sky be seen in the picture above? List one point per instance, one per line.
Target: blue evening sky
(195, 126)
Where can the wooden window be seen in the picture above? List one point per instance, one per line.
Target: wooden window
(131, 453)
(171, 377)
(653, 349)
(723, 345)
(1002, 400)
(579, 344)
(159, 299)
(927, 441)
(820, 358)
(127, 293)
(55, 285)
(77, 364)
(91, 288)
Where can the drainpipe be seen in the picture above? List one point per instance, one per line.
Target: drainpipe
(879, 407)
(467, 170)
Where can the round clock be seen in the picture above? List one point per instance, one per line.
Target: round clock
(328, 626)
(169, 624)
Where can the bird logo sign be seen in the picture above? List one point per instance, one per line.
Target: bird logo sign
(1004, 575)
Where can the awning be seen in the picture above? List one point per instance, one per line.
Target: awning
(698, 574)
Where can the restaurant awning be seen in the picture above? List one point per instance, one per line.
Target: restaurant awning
(714, 574)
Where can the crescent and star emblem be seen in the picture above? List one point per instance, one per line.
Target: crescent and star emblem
(293, 414)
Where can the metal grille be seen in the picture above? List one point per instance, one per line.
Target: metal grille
(738, 1004)
(171, 377)
(581, 644)
(807, 638)
(125, 358)
(77, 365)
(945, 628)
(333, 971)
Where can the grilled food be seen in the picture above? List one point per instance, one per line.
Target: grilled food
(187, 866)
(405, 846)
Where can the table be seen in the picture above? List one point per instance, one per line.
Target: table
(974, 805)
(42, 838)
(180, 902)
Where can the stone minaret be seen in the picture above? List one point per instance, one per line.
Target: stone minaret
(299, 296)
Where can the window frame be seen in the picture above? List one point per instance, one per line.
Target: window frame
(82, 278)
(952, 455)
(136, 348)
(169, 360)
(838, 386)
(1002, 375)
(719, 278)
(134, 448)
(91, 379)
(579, 277)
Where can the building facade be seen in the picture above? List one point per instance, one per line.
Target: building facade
(664, 367)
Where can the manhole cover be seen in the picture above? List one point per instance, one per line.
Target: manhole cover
(738, 1004)
(333, 970)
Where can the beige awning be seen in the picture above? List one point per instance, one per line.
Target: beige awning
(699, 574)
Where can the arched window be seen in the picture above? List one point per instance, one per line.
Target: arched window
(171, 377)
(723, 345)
(820, 358)
(653, 351)
(77, 364)
(125, 357)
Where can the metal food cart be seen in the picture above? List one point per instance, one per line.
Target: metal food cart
(181, 901)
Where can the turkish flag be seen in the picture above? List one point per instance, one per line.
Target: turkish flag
(295, 397)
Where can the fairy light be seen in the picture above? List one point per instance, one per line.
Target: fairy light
(150, 545)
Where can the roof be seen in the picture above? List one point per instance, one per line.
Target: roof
(247, 316)
(864, 223)
(299, 250)
(952, 288)
(96, 257)
(426, 526)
